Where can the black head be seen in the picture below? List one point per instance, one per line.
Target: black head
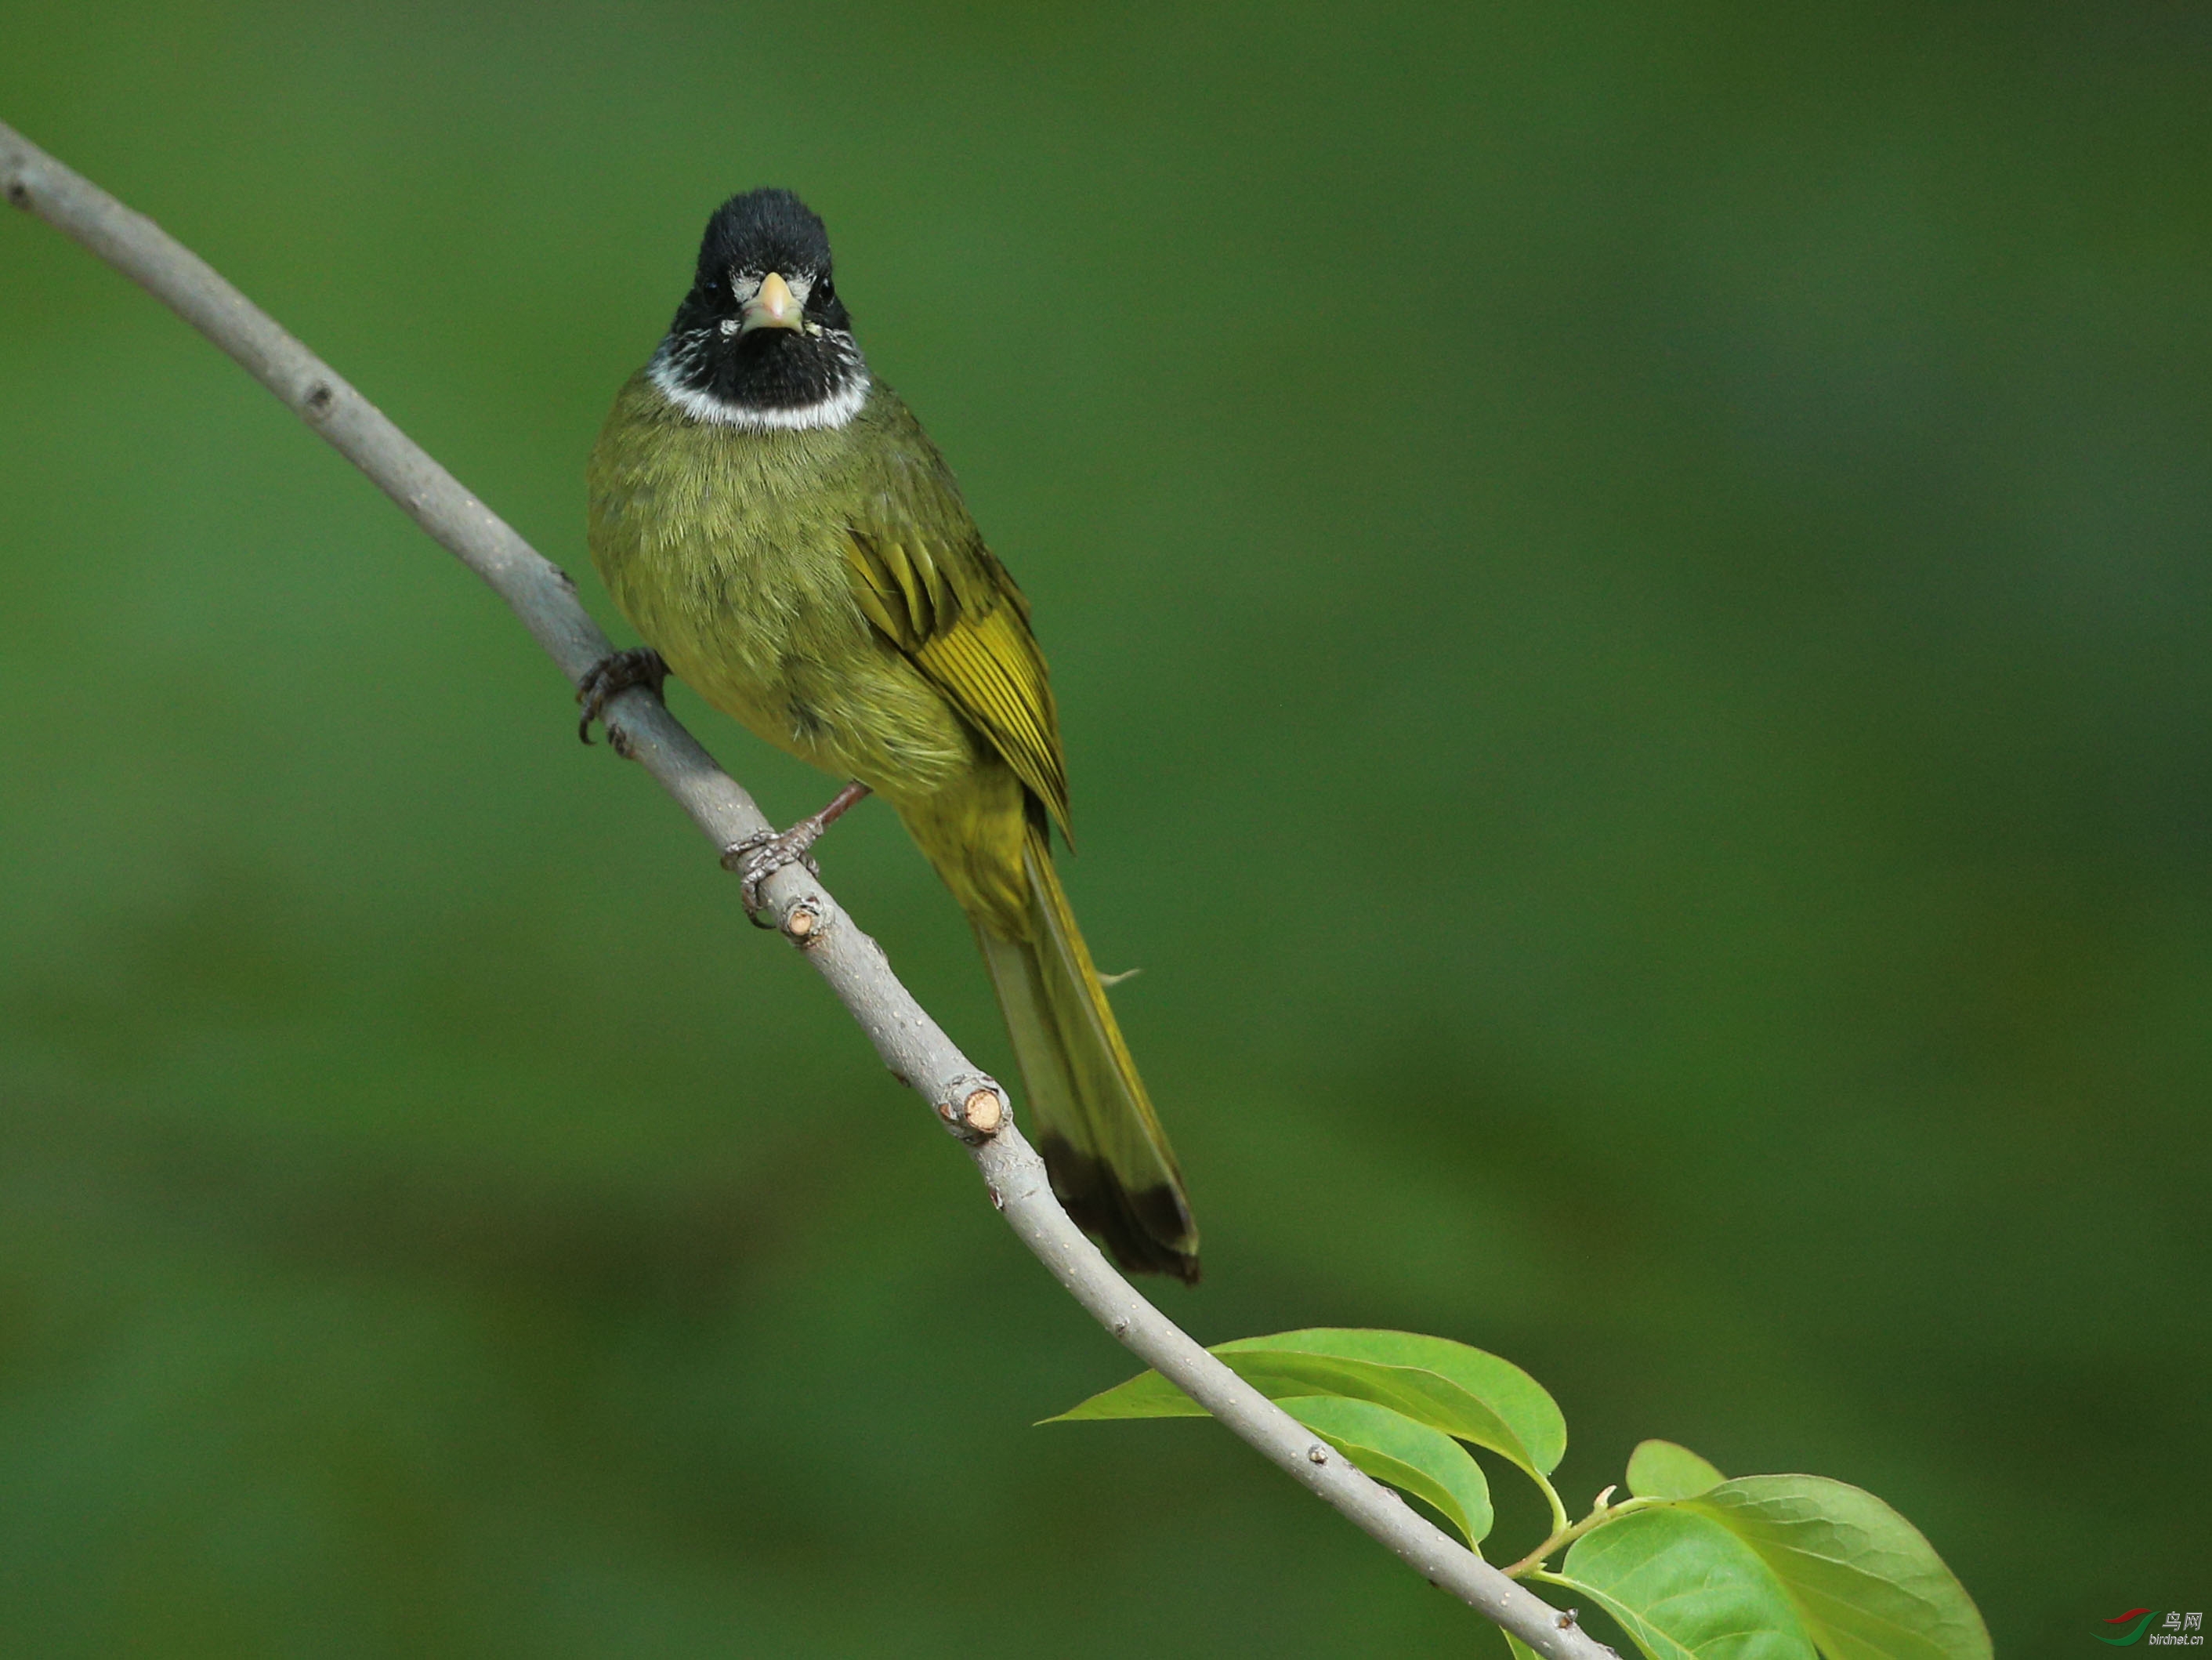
(761, 340)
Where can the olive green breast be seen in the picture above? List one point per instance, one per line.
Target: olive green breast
(729, 551)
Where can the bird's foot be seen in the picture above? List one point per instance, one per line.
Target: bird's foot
(756, 858)
(611, 676)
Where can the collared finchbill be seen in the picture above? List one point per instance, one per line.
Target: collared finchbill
(779, 527)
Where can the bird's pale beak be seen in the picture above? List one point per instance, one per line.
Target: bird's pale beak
(773, 307)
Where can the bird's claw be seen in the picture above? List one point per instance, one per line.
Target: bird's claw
(756, 858)
(759, 857)
(611, 676)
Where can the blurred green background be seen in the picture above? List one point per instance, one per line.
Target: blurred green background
(1629, 591)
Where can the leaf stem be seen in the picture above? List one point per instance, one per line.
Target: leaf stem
(1564, 1535)
(1559, 1519)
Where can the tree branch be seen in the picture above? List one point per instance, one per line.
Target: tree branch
(968, 1102)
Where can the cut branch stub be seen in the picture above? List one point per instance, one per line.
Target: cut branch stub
(974, 1108)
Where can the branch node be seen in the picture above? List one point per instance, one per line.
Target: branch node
(19, 192)
(974, 1108)
(802, 923)
(1568, 1619)
(1317, 1454)
(318, 398)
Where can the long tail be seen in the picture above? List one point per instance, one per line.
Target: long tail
(1109, 1159)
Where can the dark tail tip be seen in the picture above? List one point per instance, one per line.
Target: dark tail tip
(1146, 1230)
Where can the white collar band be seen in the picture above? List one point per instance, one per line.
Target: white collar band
(836, 410)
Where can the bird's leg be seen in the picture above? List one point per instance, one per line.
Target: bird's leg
(611, 676)
(757, 857)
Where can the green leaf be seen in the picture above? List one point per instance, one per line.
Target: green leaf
(1684, 1587)
(1659, 1469)
(1446, 1385)
(1519, 1650)
(1392, 1447)
(1479, 1397)
(1147, 1395)
(1868, 1586)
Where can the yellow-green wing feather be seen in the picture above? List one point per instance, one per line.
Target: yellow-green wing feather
(954, 611)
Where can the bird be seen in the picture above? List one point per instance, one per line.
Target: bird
(787, 541)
